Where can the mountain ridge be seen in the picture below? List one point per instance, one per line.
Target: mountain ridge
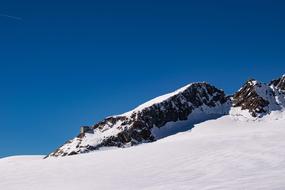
(162, 116)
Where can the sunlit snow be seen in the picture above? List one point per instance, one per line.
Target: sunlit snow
(226, 153)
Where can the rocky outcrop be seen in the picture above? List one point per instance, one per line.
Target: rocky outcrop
(259, 98)
(137, 126)
(278, 83)
(141, 125)
(249, 98)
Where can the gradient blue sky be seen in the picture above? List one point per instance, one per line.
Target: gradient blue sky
(64, 64)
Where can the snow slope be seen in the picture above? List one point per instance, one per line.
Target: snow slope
(226, 153)
(187, 104)
(156, 100)
(164, 115)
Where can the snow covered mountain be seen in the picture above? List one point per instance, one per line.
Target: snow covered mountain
(235, 142)
(151, 121)
(176, 112)
(220, 154)
(258, 99)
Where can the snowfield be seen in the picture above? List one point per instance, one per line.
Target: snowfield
(226, 153)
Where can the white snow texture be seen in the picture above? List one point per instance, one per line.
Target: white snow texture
(226, 153)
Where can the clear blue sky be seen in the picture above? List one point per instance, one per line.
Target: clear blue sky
(64, 64)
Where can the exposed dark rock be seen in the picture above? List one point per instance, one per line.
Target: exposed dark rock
(137, 127)
(279, 83)
(248, 99)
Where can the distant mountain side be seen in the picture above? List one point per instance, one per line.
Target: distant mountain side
(175, 112)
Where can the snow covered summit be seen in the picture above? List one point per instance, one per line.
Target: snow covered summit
(259, 99)
(223, 153)
(279, 83)
(152, 120)
(176, 112)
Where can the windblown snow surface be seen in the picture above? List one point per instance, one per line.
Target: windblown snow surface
(232, 152)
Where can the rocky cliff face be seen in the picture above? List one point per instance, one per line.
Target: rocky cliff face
(163, 115)
(279, 83)
(251, 97)
(259, 98)
(137, 126)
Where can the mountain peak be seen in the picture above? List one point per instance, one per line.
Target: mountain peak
(279, 83)
(175, 112)
(259, 98)
(252, 81)
(251, 97)
(165, 97)
(152, 120)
